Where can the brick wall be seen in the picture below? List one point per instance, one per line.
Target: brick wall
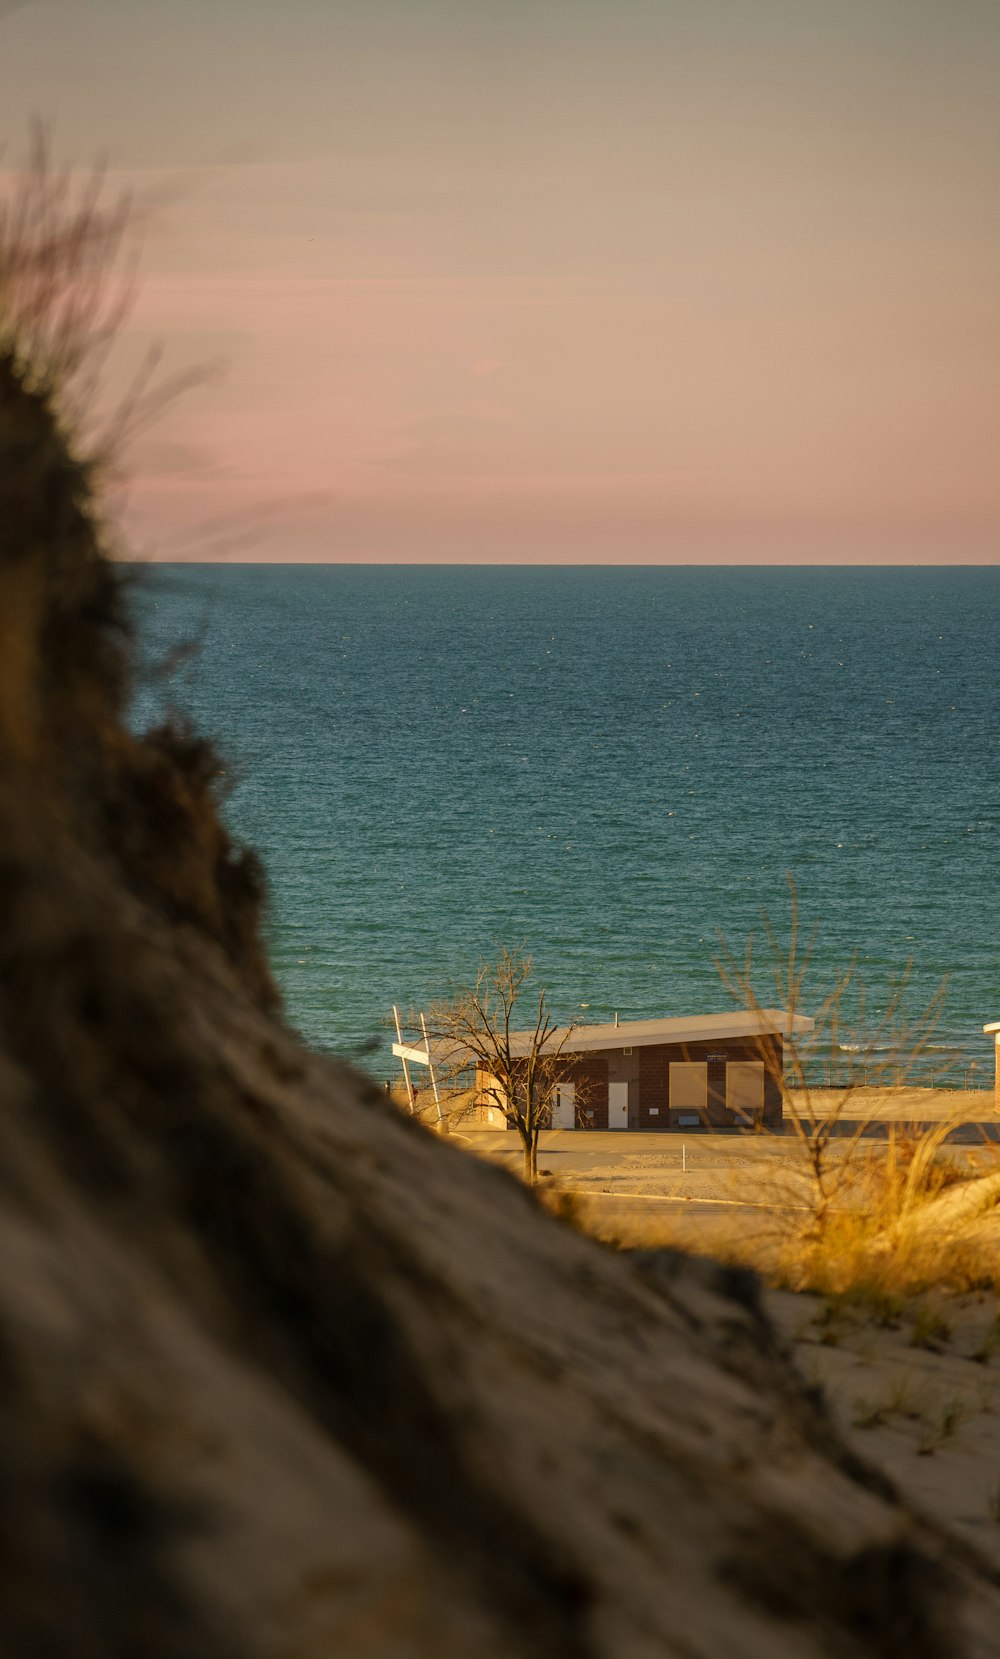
(653, 1085)
(654, 1072)
(647, 1071)
(590, 1074)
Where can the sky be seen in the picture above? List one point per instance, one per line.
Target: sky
(614, 281)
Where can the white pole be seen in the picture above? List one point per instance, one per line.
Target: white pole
(684, 1157)
(406, 1070)
(430, 1067)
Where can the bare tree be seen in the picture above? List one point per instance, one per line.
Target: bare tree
(518, 1069)
(854, 1048)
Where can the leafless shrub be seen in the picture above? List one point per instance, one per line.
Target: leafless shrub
(69, 260)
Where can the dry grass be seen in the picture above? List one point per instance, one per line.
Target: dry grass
(910, 1217)
(895, 1400)
(67, 654)
(69, 257)
(942, 1426)
(848, 1201)
(989, 1344)
(894, 1231)
(852, 1212)
(939, 1420)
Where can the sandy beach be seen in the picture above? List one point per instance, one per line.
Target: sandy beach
(705, 1173)
(913, 1388)
(917, 1394)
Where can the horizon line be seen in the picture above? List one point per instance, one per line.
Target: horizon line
(564, 564)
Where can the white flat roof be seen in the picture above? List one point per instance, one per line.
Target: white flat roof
(683, 1028)
(443, 1054)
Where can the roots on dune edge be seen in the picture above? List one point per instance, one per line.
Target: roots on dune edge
(280, 1372)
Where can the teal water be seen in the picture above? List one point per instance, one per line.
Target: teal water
(613, 765)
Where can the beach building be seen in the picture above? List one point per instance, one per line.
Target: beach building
(994, 1032)
(710, 1071)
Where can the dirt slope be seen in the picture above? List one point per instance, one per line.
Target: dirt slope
(281, 1373)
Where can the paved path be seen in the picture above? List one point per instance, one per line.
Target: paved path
(696, 1178)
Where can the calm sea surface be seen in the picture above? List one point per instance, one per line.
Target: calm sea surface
(614, 765)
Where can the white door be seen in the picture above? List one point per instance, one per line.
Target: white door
(564, 1106)
(618, 1105)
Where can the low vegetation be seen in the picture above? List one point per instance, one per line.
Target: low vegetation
(911, 1217)
(845, 1203)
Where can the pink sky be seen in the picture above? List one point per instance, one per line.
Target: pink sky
(616, 280)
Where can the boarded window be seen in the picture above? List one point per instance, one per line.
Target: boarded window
(688, 1084)
(745, 1087)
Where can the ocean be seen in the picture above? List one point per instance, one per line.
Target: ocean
(616, 767)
